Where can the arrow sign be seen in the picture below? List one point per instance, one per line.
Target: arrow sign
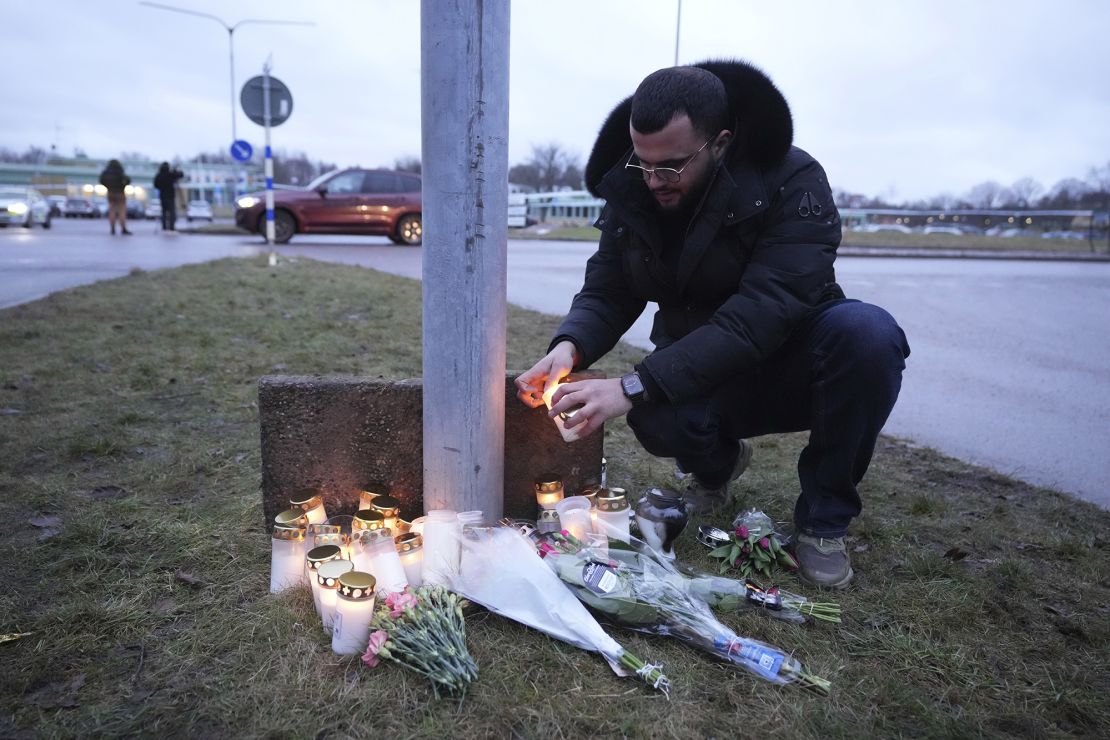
(241, 150)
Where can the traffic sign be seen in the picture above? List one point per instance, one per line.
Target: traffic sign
(281, 101)
(241, 150)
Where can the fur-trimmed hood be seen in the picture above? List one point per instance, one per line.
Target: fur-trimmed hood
(764, 129)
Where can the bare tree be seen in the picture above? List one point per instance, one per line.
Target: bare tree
(1025, 191)
(407, 164)
(988, 194)
(549, 168)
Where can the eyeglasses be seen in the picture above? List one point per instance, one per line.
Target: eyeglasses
(666, 174)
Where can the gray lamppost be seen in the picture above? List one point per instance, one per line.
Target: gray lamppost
(230, 41)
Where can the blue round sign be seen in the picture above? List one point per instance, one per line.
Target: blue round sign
(241, 150)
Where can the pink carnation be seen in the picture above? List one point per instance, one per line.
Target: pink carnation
(398, 602)
(377, 640)
(742, 532)
(764, 543)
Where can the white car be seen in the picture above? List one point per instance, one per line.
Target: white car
(198, 210)
(23, 206)
(941, 229)
(879, 228)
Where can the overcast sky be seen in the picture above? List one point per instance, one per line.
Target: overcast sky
(903, 99)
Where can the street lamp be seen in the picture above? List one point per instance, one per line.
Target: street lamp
(230, 42)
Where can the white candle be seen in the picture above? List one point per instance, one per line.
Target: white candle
(442, 545)
(312, 503)
(569, 435)
(574, 516)
(327, 575)
(367, 519)
(549, 491)
(380, 554)
(366, 499)
(417, 525)
(286, 558)
(390, 509)
(354, 608)
(410, 548)
(612, 514)
(314, 558)
(474, 518)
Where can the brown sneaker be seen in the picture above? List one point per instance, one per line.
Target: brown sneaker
(701, 499)
(823, 561)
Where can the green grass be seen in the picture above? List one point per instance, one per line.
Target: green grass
(131, 417)
(860, 239)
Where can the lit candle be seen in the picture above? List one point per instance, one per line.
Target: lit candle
(442, 546)
(380, 554)
(328, 534)
(574, 516)
(345, 524)
(569, 435)
(366, 499)
(590, 493)
(549, 491)
(410, 548)
(402, 527)
(548, 521)
(367, 519)
(354, 608)
(312, 502)
(287, 550)
(390, 509)
(327, 575)
(314, 558)
(612, 514)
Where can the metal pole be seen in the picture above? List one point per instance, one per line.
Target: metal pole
(269, 156)
(231, 53)
(464, 91)
(677, 32)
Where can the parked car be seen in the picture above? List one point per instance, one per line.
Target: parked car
(154, 209)
(198, 210)
(1004, 231)
(348, 201)
(1077, 235)
(942, 229)
(878, 228)
(136, 208)
(80, 208)
(100, 207)
(23, 206)
(57, 205)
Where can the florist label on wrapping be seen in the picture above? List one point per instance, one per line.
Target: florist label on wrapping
(599, 578)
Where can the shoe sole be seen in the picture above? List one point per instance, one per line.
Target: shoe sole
(842, 583)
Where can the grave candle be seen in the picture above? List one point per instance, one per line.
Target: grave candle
(354, 608)
(312, 501)
(383, 561)
(314, 558)
(549, 491)
(390, 509)
(410, 548)
(366, 498)
(442, 543)
(287, 550)
(574, 516)
(327, 575)
(612, 514)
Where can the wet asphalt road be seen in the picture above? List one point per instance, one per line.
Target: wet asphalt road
(1010, 366)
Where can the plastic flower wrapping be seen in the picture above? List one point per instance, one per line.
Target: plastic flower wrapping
(634, 587)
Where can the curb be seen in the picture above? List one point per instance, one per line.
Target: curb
(978, 254)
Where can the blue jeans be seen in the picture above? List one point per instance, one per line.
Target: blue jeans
(837, 375)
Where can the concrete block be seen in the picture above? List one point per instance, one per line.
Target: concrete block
(344, 434)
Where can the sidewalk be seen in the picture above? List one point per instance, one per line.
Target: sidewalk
(981, 254)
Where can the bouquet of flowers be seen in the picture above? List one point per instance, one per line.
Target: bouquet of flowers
(423, 629)
(728, 593)
(754, 547)
(500, 570)
(642, 592)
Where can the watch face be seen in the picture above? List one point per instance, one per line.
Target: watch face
(632, 385)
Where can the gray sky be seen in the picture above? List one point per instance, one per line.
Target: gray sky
(904, 99)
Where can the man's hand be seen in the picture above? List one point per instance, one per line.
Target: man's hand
(545, 374)
(599, 401)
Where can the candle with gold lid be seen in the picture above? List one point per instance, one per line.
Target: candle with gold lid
(366, 519)
(287, 550)
(590, 493)
(312, 502)
(410, 548)
(327, 575)
(366, 498)
(549, 491)
(316, 557)
(354, 608)
(612, 513)
(390, 509)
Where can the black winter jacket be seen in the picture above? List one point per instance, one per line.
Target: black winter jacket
(756, 260)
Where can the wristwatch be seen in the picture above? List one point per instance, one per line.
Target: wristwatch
(633, 388)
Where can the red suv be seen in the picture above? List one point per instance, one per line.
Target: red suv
(350, 201)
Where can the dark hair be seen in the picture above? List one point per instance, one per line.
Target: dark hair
(164, 167)
(676, 90)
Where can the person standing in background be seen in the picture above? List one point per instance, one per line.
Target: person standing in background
(165, 182)
(116, 180)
